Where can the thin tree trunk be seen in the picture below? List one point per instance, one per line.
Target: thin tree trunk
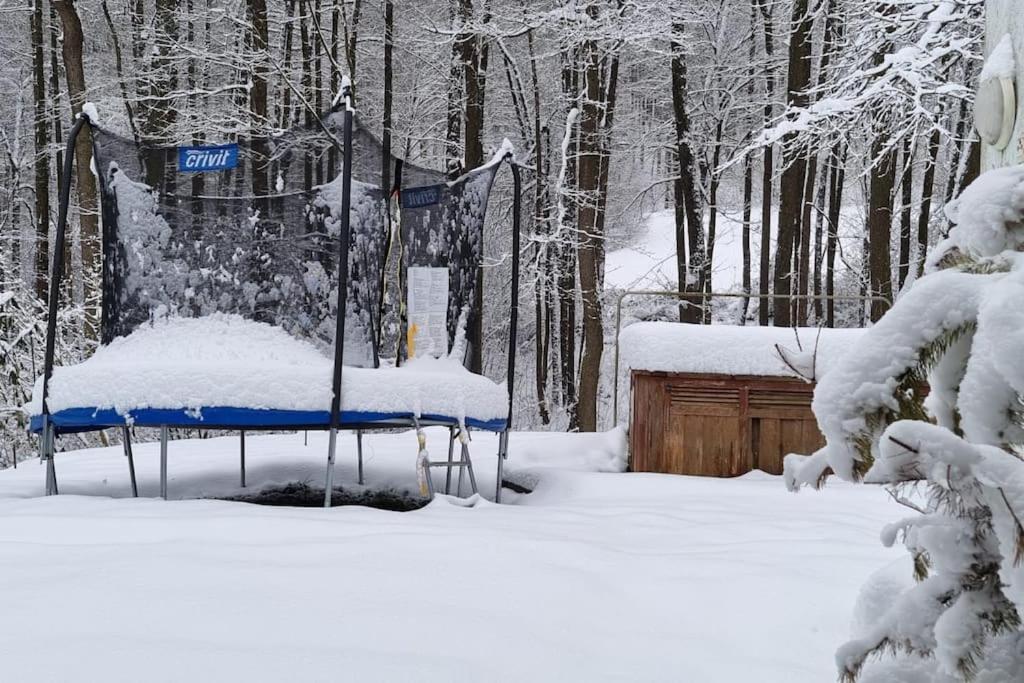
(55, 96)
(567, 262)
(906, 207)
(804, 262)
(42, 154)
(768, 166)
(713, 184)
(119, 70)
(748, 175)
(924, 216)
(795, 164)
(456, 80)
(543, 312)
(824, 181)
(307, 88)
(688, 210)
(88, 218)
(258, 99)
(589, 172)
(880, 199)
(389, 93)
(835, 205)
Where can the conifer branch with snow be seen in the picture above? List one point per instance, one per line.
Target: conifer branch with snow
(959, 330)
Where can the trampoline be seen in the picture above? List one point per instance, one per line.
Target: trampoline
(244, 296)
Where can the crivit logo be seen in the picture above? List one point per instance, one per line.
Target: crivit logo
(418, 197)
(197, 159)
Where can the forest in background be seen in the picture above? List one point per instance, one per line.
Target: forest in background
(782, 112)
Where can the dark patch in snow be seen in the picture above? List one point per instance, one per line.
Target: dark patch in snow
(299, 494)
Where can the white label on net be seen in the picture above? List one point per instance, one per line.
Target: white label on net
(428, 311)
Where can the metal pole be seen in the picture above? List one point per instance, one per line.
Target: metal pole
(514, 306)
(241, 453)
(329, 484)
(57, 265)
(163, 462)
(502, 454)
(451, 461)
(127, 436)
(462, 445)
(468, 466)
(339, 328)
(359, 454)
(705, 295)
(49, 449)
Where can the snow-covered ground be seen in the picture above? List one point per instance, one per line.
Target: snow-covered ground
(650, 261)
(594, 576)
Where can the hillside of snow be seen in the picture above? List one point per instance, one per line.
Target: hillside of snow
(649, 262)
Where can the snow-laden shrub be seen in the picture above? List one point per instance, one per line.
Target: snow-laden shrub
(932, 399)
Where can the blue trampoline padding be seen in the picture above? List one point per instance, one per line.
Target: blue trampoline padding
(88, 419)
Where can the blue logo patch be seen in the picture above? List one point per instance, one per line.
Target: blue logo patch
(418, 197)
(216, 158)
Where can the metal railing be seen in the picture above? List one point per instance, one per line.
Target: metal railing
(703, 297)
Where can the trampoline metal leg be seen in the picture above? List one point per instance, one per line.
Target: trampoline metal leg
(468, 462)
(127, 436)
(163, 461)
(463, 454)
(502, 454)
(332, 443)
(451, 454)
(51, 477)
(359, 455)
(241, 454)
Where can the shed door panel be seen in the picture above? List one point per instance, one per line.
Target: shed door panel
(704, 434)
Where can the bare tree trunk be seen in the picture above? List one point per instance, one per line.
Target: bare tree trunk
(880, 198)
(307, 88)
(88, 217)
(567, 257)
(158, 111)
(284, 118)
(748, 176)
(804, 262)
(55, 97)
(795, 164)
(713, 184)
(543, 311)
(688, 208)
(768, 167)
(924, 215)
(474, 62)
(258, 100)
(821, 196)
(389, 93)
(589, 172)
(456, 80)
(835, 205)
(42, 154)
(119, 70)
(906, 208)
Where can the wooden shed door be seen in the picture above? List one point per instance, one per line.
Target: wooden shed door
(781, 423)
(719, 426)
(687, 429)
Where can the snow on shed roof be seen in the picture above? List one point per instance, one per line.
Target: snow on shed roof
(732, 350)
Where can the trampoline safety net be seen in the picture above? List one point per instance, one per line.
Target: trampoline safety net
(240, 226)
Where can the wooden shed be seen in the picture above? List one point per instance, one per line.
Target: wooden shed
(719, 400)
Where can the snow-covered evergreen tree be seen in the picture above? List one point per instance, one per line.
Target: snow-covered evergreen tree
(932, 399)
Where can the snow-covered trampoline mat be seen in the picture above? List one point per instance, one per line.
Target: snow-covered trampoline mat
(223, 371)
